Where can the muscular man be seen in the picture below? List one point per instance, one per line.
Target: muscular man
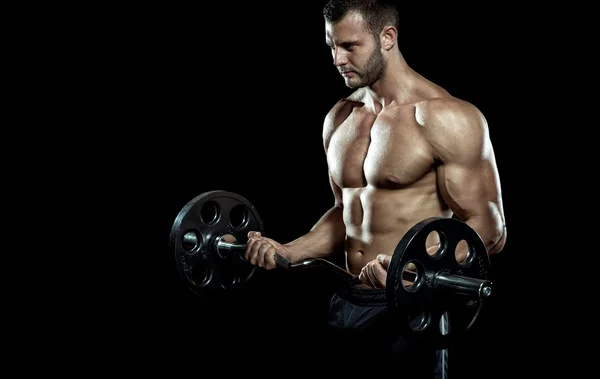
(399, 149)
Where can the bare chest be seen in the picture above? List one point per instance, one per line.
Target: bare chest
(386, 150)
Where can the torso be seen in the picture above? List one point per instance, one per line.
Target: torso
(382, 162)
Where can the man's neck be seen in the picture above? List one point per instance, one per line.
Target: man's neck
(396, 85)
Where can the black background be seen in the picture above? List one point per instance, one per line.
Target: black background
(238, 105)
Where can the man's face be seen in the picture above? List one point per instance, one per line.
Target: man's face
(356, 54)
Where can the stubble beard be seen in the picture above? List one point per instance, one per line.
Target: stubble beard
(371, 72)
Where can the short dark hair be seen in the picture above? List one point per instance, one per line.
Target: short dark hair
(377, 13)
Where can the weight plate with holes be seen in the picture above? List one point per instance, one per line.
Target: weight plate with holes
(422, 309)
(193, 237)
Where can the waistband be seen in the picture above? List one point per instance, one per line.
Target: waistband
(363, 296)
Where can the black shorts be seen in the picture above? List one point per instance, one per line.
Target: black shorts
(359, 325)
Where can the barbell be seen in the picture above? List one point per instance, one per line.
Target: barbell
(421, 287)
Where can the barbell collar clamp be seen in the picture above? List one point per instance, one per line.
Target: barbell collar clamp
(462, 285)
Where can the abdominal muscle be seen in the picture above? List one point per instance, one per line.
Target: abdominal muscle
(377, 219)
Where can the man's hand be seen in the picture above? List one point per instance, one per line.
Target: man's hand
(375, 272)
(260, 251)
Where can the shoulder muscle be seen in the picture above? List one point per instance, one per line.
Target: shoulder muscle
(456, 130)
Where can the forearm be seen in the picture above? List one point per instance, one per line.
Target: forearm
(324, 239)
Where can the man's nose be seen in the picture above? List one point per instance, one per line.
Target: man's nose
(339, 58)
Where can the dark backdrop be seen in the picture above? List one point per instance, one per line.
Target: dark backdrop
(238, 105)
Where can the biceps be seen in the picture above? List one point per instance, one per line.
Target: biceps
(470, 190)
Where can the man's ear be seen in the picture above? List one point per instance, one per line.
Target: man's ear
(388, 37)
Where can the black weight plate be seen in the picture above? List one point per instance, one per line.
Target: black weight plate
(418, 310)
(193, 237)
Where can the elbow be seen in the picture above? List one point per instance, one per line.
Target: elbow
(491, 232)
(498, 242)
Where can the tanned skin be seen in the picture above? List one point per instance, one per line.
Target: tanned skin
(399, 149)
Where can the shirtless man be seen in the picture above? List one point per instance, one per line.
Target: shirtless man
(399, 149)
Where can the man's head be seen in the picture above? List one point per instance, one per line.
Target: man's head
(360, 33)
